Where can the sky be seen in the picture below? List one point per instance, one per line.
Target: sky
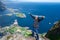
(34, 0)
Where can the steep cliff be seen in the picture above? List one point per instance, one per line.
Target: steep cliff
(54, 32)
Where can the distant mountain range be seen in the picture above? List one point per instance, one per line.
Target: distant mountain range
(2, 6)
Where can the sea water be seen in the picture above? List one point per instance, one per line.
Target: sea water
(51, 11)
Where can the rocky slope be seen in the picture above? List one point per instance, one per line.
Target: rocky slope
(54, 32)
(16, 32)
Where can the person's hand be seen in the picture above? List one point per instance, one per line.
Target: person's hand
(29, 13)
(43, 16)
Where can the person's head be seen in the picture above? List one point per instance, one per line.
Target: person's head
(36, 17)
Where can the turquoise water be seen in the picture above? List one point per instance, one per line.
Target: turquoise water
(50, 10)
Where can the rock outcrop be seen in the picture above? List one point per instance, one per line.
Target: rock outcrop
(54, 32)
(16, 32)
(2, 6)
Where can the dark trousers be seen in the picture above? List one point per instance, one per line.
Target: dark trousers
(35, 30)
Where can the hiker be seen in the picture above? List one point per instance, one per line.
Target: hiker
(37, 19)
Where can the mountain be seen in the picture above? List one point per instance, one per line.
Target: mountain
(2, 6)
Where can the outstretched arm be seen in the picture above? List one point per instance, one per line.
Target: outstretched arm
(32, 16)
(41, 18)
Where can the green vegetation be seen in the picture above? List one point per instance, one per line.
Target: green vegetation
(21, 15)
(21, 30)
